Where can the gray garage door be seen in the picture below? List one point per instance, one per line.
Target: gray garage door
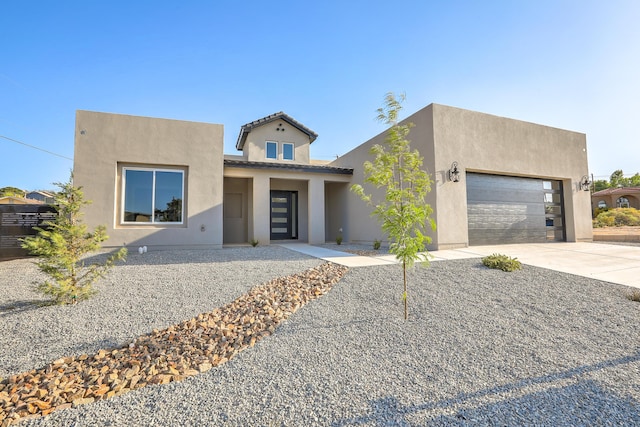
(507, 209)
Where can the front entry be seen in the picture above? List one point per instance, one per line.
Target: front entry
(284, 215)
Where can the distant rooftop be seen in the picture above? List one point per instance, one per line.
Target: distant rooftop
(617, 191)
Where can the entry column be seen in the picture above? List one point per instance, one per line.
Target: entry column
(261, 209)
(316, 211)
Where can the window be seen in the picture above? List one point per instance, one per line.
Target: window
(623, 202)
(152, 196)
(272, 150)
(287, 151)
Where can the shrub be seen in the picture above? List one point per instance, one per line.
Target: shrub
(254, 242)
(634, 295)
(61, 246)
(376, 244)
(618, 217)
(502, 262)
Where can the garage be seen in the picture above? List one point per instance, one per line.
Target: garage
(509, 209)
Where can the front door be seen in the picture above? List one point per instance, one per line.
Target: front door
(284, 215)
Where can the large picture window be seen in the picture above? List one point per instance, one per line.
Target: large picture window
(152, 196)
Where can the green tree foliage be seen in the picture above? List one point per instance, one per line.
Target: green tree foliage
(403, 213)
(617, 179)
(61, 245)
(600, 184)
(12, 191)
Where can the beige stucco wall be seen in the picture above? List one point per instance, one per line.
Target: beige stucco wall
(479, 143)
(105, 142)
(311, 192)
(254, 147)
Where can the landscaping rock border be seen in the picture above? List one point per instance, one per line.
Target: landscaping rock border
(172, 354)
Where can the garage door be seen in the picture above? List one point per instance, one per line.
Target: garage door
(507, 209)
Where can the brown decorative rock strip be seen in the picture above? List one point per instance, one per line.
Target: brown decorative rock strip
(172, 354)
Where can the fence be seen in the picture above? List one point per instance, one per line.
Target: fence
(18, 222)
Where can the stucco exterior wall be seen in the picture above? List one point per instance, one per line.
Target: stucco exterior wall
(485, 143)
(479, 143)
(105, 142)
(311, 191)
(254, 147)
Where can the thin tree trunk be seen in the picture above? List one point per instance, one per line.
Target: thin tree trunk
(404, 273)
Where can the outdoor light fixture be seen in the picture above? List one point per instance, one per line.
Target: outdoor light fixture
(454, 173)
(585, 183)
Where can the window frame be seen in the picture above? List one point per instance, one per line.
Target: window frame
(152, 222)
(266, 150)
(293, 151)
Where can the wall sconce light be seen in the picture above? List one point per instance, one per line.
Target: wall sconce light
(453, 173)
(585, 183)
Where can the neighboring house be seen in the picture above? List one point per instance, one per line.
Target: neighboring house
(41, 196)
(166, 183)
(620, 197)
(13, 200)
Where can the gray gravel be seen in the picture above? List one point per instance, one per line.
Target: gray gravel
(481, 347)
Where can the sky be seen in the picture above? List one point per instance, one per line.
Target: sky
(570, 64)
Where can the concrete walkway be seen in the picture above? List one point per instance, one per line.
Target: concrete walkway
(610, 263)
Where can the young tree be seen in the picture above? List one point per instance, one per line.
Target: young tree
(61, 245)
(403, 214)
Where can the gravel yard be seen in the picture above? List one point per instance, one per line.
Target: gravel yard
(481, 347)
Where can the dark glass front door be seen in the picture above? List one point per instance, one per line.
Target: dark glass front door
(284, 215)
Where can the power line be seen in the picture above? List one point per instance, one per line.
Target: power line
(36, 148)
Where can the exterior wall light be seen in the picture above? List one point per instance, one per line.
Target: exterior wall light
(585, 183)
(454, 174)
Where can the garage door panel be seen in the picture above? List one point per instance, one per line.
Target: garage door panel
(519, 208)
(502, 236)
(506, 209)
(509, 196)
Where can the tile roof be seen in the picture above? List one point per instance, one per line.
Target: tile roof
(245, 129)
(618, 191)
(293, 167)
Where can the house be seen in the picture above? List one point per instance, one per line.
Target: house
(41, 196)
(166, 183)
(619, 197)
(13, 200)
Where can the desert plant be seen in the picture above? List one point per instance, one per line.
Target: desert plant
(618, 217)
(61, 245)
(376, 244)
(254, 242)
(339, 237)
(634, 295)
(502, 262)
(403, 213)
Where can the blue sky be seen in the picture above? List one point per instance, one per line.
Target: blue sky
(572, 64)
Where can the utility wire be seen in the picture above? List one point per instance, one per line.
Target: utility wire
(36, 148)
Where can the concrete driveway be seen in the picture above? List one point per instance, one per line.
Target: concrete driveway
(610, 263)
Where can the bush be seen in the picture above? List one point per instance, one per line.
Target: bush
(502, 262)
(618, 217)
(634, 295)
(61, 246)
(376, 244)
(254, 242)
